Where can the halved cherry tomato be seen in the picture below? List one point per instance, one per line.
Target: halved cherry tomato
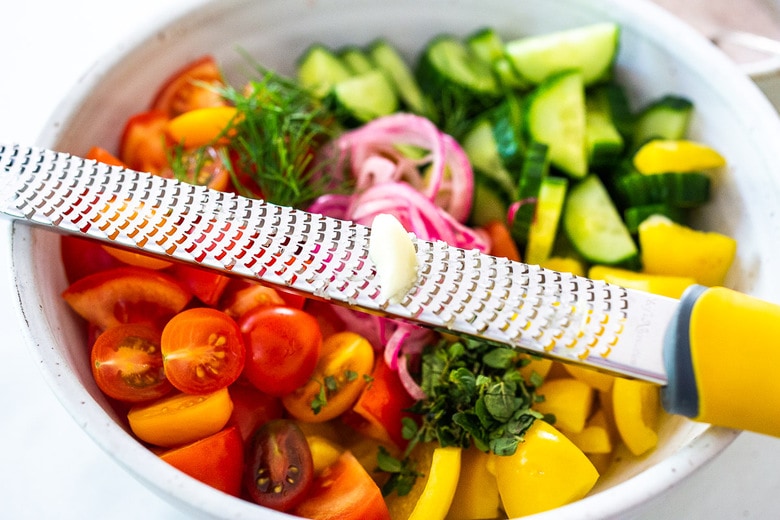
(137, 259)
(204, 284)
(279, 470)
(344, 491)
(127, 363)
(142, 146)
(217, 460)
(380, 408)
(202, 350)
(252, 408)
(180, 418)
(242, 296)
(96, 153)
(203, 167)
(83, 256)
(126, 295)
(283, 345)
(340, 377)
(188, 88)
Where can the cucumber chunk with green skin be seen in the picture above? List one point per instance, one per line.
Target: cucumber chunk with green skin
(681, 190)
(666, 118)
(635, 215)
(594, 226)
(555, 116)
(604, 142)
(486, 44)
(482, 150)
(536, 167)
(365, 97)
(491, 202)
(591, 49)
(319, 69)
(356, 60)
(387, 58)
(544, 228)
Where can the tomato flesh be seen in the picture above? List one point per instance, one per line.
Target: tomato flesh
(184, 90)
(202, 350)
(142, 146)
(283, 345)
(83, 256)
(217, 460)
(127, 364)
(344, 491)
(279, 468)
(126, 295)
(252, 408)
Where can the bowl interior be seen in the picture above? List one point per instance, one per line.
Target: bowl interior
(658, 55)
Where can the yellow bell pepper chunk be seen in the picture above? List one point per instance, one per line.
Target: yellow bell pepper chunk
(594, 379)
(564, 264)
(477, 493)
(201, 126)
(540, 366)
(594, 438)
(323, 452)
(669, 155)
(636, 406)
(674, 249)
(546, 471)
(569, 400)
(665, 285)
(431, 495)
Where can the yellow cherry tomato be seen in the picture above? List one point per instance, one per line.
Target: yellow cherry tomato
(200, 126)
(546, 471)
(635, 406)
(181, 418)
(680, 155)
(346, 359)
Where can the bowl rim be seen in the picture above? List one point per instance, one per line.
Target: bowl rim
(644, 486)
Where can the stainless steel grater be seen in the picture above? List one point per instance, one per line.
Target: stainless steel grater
(465, 292)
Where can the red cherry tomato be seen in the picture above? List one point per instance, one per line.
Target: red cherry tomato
(127, 364)
(142, 146)
(279, 469)
(344, 491)
(185, 89)
(126, 295)
(283, 345)
(217, 460)
(202, 350)
(242, 296)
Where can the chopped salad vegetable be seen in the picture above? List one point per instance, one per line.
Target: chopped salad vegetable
(525, 149)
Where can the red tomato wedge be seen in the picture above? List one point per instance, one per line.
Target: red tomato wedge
(127, 364)
(344, 491)
(142, 146)
(203, 350)
(381, 406)
(205, 284)
(217, 460)
(99, 154)
(126, 295)
(185, 89)
(283, 346)
(252, 408)
(82, 257)
(137, 259)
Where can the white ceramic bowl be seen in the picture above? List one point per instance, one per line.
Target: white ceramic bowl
(658, 55)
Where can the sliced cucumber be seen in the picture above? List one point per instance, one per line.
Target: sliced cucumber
(486, 44)
(356, 60)
(544, 229)
(387, 58)
(536, 167)
(319, 70)
(603, 140)
(665, 118)
(555, 116)
(594, 227)
(482, 150)
(361, 98)
(590, 49)
(681, 190)
(620, 112)
(635, 215)
(491, 202)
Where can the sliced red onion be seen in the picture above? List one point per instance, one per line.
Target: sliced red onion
(411, 386)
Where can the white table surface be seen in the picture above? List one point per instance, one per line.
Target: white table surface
(48, 467)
